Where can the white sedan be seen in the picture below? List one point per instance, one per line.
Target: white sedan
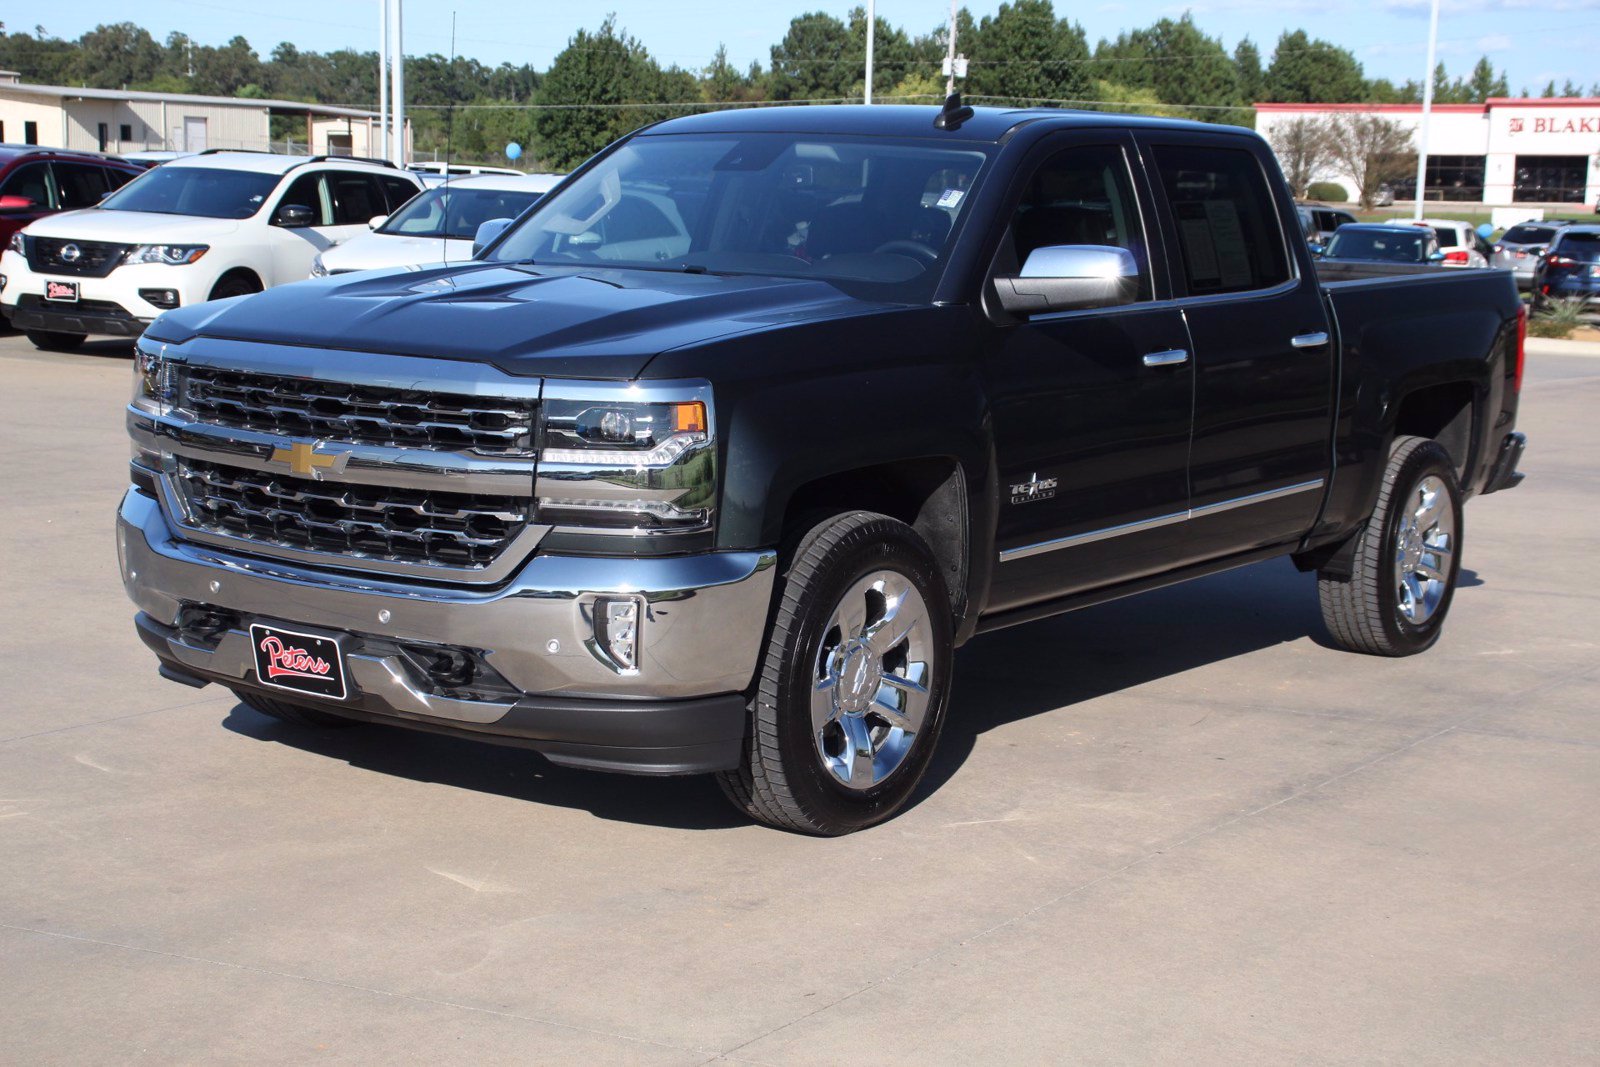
(437, 225)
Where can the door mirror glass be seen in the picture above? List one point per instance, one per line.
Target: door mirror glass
(1070, 277)
(15, 203)
(1435, 256)
(293, 215)
(487, 232)
(1317, 248)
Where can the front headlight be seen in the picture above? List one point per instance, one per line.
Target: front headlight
(171, 255)
(318, 268)
(155, 380)
(627, 459)
(17, 244)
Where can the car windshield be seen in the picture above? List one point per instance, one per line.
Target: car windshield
(873, 217)
(1390, 246)
(1583, 247)
(447, 211)
(210, 192)
(1528, 235)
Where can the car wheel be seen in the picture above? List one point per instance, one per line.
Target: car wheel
(851, 691)
(55, 340)
(233, 285)
(1406, 558)
(298, 714)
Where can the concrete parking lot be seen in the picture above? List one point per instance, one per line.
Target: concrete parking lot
(1176, 827)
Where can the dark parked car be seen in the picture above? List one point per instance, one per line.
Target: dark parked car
(710, 461)
(1375, 243)
(1520, 248)
(35, 182)
(1571, 269)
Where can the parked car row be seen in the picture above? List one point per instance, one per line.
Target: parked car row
(98, 244)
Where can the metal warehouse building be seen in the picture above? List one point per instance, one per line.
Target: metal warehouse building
(1507, 151)
(123, 120)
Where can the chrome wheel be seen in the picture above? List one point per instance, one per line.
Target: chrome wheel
(870, 680)
(1425, 540)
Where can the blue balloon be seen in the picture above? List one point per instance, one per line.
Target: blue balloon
(513, 151)
(1484, 230)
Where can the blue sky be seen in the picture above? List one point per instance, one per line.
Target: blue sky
(1533, 40)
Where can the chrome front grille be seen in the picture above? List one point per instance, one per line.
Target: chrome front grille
(359, 414)
(397, 525)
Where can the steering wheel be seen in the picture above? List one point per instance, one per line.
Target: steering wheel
(916, 249)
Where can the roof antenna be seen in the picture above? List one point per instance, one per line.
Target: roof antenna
(953, 114)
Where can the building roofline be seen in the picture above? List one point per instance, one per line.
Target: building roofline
(68, 92)
(1469, 109)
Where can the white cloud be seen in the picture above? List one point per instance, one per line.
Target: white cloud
(1420, 8)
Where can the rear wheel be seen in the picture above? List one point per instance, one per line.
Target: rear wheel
(1406, 560)
(852, 687)
(55, 340)
(299, 714)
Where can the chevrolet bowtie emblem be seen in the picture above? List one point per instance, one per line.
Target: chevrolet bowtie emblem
(304, 459)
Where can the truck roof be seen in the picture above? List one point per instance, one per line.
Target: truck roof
(902, 120)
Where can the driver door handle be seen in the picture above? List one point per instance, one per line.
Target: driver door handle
(1309, 340)
(1172, 357)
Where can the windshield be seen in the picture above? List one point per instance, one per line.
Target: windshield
(449, 212)
(209, 192)
(1583, 247)
(875, 218)
(1529, 235)
(1390, 246)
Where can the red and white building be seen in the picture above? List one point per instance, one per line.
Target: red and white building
(1507, 151)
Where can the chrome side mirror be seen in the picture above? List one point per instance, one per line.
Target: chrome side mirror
(487, 232)
(1070, 277)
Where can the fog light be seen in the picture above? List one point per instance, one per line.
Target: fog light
(616, 632)
(161, 298)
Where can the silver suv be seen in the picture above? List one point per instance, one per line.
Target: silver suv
(1519, 249)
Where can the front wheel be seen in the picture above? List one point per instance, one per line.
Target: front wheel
(852, 687)
(56, 340)
(1406, 560)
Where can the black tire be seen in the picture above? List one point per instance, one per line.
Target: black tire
(234, 285)
(55, 340)
(782, 781)
(1365, 612)
(298, 714)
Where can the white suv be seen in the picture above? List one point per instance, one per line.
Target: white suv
(199, 228)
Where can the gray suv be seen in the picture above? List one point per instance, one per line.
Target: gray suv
(1520, 248)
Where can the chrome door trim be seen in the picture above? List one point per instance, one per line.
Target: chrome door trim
(1024, 551)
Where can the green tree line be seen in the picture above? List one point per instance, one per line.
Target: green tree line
(605, 82)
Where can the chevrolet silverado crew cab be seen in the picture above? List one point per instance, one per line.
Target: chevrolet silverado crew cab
(215, 224)
(710, 461)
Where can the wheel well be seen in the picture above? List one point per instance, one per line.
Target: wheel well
(929, 495)
(1444, 413)
(244, 274)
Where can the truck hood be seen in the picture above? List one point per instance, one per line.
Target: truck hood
(577, 321)
(132, 227)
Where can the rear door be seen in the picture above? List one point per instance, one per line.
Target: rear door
(1091, 408)
(1263, 353)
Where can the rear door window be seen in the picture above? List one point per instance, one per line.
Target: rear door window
(79, 184)
(356, 197)
(398, 191)
(1221, 209)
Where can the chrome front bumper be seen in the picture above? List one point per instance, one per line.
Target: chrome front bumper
(700, 636)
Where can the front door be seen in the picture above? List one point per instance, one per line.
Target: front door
(1091, 408)
(1262, 345)
(194, 134)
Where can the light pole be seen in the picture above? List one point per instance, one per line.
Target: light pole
(387, 151)
(1427, 110)
(399, 90)
(872, 27)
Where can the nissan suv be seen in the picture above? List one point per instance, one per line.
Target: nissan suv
(213, 225)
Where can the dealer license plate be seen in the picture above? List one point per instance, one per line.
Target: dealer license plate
(301, 663)
(64, 292)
